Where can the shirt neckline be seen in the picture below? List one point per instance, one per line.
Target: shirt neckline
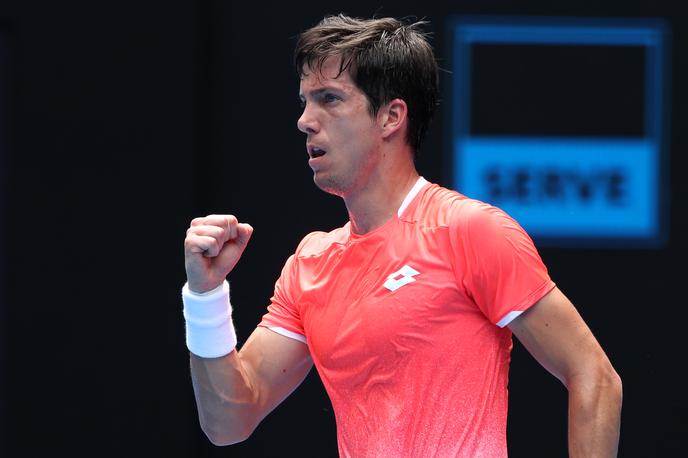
(411, 194)
(404, 205)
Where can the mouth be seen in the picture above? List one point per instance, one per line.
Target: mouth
(315, 152)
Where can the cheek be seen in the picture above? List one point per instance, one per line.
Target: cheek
(357, 139)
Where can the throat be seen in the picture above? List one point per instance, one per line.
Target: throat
(363, 224)
(372, 211)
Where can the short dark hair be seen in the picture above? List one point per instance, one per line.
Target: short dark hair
(386, 58)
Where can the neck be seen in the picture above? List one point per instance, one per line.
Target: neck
(380, 198)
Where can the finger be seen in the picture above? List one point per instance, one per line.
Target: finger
(229, 222)
(244, 232)
(215, 220)
(208, 246)
(219, 233)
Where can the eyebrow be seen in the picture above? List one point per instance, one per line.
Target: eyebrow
(319, 91)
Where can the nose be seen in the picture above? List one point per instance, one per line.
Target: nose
(307, 122)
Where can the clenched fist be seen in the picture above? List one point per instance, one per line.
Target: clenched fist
(212, 247)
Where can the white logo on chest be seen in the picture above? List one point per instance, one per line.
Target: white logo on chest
(401, 277)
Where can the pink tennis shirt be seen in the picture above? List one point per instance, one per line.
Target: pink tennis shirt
(406, 324)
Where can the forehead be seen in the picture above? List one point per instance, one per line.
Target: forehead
(328, 75)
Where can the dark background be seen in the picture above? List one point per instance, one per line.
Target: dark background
(126, 119)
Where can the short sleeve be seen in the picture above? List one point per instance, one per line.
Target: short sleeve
(283, 311)
(496, 261)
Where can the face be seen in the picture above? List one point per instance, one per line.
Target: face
(342, 138)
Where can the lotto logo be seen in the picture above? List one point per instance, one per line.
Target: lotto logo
(401, 277)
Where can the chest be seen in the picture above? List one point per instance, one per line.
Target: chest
(372, 304)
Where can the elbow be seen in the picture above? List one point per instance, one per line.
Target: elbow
(610, 380)
(615, 386)
(600, 382)
(222, 433)
(221, 440)
(606, 382)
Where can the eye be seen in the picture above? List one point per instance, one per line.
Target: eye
(330, 98)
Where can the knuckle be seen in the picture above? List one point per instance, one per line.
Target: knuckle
(221, 233)
(189, 244)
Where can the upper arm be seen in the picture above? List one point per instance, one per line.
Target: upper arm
(495, 261)
(275, 366)
(555, 334)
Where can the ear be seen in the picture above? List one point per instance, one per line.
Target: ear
(394, 117)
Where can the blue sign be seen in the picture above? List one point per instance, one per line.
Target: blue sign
(593, 190)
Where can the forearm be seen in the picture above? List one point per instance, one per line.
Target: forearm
(595, 415)
(227, 402)
(234, 391)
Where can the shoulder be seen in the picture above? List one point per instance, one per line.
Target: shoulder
(431, 206)
(475, 215)
(317, 242)
(470, 222)
(441, 207)
(488, 228)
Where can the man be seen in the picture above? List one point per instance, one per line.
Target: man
(406, 311)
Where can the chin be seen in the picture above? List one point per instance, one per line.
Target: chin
(329, 185)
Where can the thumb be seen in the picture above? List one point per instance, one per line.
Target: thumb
(244, 232)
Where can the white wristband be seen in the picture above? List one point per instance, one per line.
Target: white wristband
(209, 329)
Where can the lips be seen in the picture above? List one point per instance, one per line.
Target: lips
(315, 151)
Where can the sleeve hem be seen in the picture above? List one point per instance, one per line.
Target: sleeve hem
(526, 303)
(285, 332)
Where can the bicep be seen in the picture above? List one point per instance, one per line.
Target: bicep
(275, 364)
(555, 334)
